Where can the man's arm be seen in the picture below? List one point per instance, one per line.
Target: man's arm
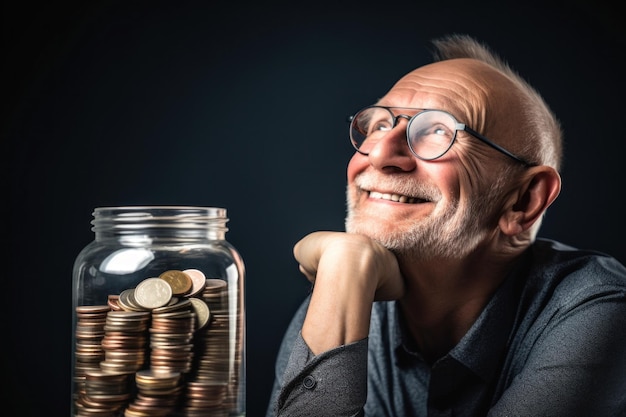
(327, 369)
(349, 272)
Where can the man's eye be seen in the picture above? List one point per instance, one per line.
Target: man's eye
(439, 130)
(381, 126)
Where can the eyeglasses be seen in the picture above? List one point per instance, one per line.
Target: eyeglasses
(430, 133)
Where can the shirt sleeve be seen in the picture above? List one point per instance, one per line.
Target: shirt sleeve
(333, 383)
(577, 366)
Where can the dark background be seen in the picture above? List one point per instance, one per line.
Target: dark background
(243, 106)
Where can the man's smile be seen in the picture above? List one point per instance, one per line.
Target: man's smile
(399, 198)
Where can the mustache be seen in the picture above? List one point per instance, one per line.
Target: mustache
(398, 185)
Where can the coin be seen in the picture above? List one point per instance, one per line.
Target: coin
(92, 309)
(183, 304)
(198, 279)
(165, 327)
(127, 301)
(152, 293)
(203, 314)
(179, 281)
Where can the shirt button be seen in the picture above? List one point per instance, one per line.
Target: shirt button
(309, 382)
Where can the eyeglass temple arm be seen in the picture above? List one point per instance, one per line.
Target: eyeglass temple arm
(495, 146)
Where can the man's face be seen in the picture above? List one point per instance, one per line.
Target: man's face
(427, 209)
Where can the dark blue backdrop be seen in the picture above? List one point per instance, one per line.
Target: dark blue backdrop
(243, 106)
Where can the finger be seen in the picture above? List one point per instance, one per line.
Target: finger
(309, 250)
(310, 275)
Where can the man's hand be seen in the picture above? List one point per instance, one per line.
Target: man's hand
(349, 273)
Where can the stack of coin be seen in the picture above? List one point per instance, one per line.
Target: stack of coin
(208, 389)
(181, 337)
(215, 359)
(171, 334)
(205, 398)
(104, 394)
(125, 341)
(88, 350)
(89, 333)
(157, 394)
(224, 340)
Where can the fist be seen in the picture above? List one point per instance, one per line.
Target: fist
(350, 261)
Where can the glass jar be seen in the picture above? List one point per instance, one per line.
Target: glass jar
(158, 315)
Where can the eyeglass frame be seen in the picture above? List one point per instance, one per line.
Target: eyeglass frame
(458, 126)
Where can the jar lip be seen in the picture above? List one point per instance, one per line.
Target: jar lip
(160, 211)
(141, 217)
(208, 209)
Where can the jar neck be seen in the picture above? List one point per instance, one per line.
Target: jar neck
(167, 223)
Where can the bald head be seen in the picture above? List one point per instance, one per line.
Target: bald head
(536, 131)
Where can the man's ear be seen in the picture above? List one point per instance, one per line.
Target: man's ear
(537, 192)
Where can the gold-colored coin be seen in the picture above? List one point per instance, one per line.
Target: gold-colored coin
(180, 282)
(203, 313)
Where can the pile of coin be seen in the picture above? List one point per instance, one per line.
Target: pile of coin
(125, 340)
(174, 334)
(105, 393)
(171, 334)
(90, 321)
(158, 394)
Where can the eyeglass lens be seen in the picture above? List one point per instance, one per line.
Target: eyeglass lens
(430, 133)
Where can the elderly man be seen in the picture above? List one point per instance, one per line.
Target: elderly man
(440, 299)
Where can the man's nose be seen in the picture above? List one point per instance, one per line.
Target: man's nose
(392, 150)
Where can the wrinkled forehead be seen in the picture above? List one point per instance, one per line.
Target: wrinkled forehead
(464, 87)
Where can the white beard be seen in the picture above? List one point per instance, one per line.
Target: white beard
(452, 230)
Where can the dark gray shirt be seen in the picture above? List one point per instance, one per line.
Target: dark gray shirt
(550, 342)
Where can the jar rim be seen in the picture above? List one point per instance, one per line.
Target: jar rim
(216, 211)
(140, 217)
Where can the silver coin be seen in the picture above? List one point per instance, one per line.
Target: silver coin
(153, 293)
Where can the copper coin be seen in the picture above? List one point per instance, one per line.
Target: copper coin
(198, 279)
